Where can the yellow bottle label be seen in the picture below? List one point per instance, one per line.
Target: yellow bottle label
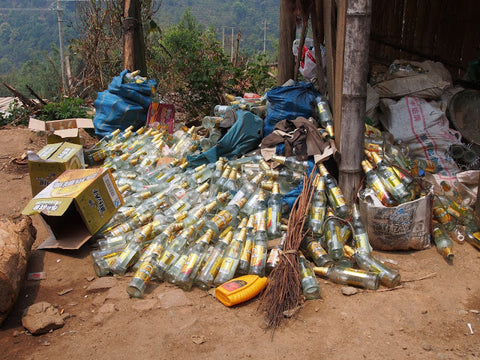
(145, 271)
(226, 266)
(337, 196)
(441, 215)
(316, 250)
(317, 213)
(361, 241)
(222, 219)
(274, 257)
(247, 251)
(257, 255)
(216, 266)
(190, 262)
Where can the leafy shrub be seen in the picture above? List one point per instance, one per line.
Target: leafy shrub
(15, 115)
(65, 109)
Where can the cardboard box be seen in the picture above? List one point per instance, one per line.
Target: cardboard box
(75, 206)
(61, 130)
(46, 165)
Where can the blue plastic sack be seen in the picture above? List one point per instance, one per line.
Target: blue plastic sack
(122, 105)
(244, 136)
(289, 102)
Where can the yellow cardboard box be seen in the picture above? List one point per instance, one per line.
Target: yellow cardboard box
(75, 206)
(51, 161)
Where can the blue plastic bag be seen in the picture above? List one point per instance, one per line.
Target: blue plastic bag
(244, 136)
(122, 105)
(289, 102)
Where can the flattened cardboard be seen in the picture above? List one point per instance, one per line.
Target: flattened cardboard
(75, 206)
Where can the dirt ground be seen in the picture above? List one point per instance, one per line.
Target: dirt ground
(427, 317)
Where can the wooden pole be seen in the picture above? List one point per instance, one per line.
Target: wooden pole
(336, 102)
(286, 61)
(318, 35)
(354, 95)
(134, 44)
(329, 48)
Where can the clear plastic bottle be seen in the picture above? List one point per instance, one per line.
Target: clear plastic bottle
(375, 183)
(244, 263)
(360, 235)
(317, 253)
(274, 213)
(318, 207)
(194, 258)
(273, 257)
(210, 270)
(335, 195)
(388, 277)
(291, 163)
(172, 251)
(258, 260)
(442, 241)
(325, 115)
(310, 287)
(129, 254)
(231, 259)
(349, 276)
(390, 179)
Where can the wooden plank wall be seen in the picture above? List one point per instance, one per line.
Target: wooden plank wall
(441, 30)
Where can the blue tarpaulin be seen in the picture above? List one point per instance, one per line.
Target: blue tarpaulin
(245, 135)
(122, 105)
(289, 102)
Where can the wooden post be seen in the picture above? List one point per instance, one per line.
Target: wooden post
(354, 95)
(318, 34)
(336, 101)
(329, 48)
(286, 61)
(134, 44)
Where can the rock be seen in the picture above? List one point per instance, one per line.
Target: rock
(41, 318)
(17, 235)
(427, 347)
(173, 298)
(17, 333)
(462, 312)
(474, 311)
(117, 293)
(101, 284)
(349, 290)
(198, 339)
(144, 305)
(107, 309)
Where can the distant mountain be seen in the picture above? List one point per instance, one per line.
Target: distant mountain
(29, 27)
(248, 16)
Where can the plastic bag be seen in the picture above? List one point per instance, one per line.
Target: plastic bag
(289, 102)
(122, 105)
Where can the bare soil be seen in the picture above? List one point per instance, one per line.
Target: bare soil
(427, 317)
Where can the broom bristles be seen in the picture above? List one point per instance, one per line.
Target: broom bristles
(284, 291)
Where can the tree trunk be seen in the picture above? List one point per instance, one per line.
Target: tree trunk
(286, 61)
(16, 239)
(134, 44)
(354, 95)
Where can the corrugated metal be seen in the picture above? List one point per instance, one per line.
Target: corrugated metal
(5, 102)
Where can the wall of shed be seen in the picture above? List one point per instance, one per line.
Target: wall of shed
(441, 30)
